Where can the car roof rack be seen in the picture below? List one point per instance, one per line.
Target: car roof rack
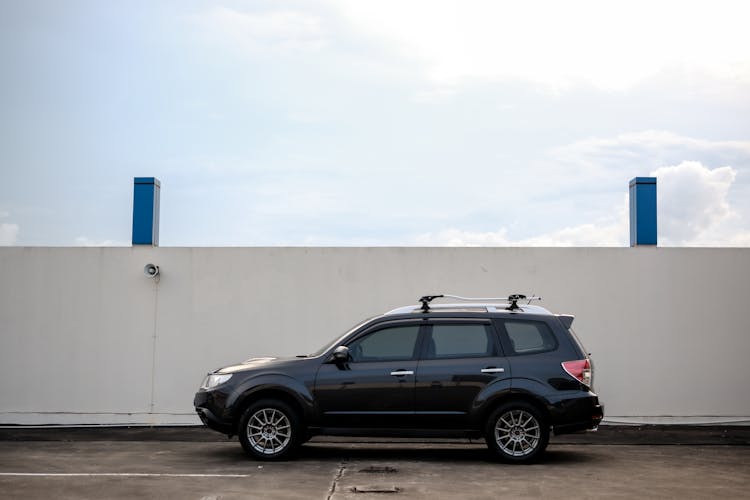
(511, 299)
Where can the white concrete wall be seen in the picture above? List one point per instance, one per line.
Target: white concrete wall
(85, 338)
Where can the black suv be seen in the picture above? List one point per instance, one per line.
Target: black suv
(511, 373)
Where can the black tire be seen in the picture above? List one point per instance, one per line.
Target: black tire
(517, 432)
(270, 429)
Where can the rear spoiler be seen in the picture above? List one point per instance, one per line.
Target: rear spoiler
(566, 320)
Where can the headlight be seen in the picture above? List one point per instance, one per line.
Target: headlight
(214, 379)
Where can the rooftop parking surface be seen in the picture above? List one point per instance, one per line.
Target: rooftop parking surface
(625, 462)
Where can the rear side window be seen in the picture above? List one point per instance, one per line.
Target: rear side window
(529, 337)
(459, 341)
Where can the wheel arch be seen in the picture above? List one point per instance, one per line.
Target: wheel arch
(514, 396)
(270, 392)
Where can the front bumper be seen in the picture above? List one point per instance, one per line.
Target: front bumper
(208, 412)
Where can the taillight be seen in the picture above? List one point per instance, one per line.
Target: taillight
(579, 370)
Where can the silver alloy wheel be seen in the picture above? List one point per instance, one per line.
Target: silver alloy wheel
(517, 433)
(269, 431)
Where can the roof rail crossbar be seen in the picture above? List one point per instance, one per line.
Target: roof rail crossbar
(511, 299)
(425, 300)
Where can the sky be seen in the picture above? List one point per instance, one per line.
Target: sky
(377, 123)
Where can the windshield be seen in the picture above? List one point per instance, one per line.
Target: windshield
(338, 339)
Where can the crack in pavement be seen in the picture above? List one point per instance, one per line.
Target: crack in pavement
(336, 479)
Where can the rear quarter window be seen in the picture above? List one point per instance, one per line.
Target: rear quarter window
(528, 337)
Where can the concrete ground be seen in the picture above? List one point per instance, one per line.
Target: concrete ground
(197, 464)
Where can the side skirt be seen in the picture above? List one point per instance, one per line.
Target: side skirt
(403, 433)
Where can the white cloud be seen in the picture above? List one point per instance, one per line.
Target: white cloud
(694, 209)
(737, 239)
(609, 231)
(84, 241)
(8, 231)
(587, 235)
(8, 234)
(647, 144)
(602, 161)
(697, 206)
(613, 45)
(695, 202)
(258, 32)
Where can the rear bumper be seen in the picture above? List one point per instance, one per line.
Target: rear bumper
(589, 425)
(577, 414)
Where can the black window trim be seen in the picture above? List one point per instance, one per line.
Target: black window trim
(433, 321)
(371, 327)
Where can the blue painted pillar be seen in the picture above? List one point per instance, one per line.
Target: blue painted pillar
(146, 211)
(642, 211)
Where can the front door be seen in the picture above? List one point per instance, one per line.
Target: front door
(376, 387)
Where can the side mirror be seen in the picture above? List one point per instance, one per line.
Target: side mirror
(341, 354)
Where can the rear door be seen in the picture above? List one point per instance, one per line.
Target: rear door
(459, 359)
(535, 354)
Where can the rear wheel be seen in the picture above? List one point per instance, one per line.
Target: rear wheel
(269, 430)
(517, 432)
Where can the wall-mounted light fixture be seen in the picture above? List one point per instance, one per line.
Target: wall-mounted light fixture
(151, 271)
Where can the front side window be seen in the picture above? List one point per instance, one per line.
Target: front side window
(460, 341)
(529, 337)
(389, 344)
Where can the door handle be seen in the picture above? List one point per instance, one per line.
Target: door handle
(493, 370)
(401, 373)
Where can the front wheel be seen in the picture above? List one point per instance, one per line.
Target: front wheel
(269, 430)
(517, 432)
